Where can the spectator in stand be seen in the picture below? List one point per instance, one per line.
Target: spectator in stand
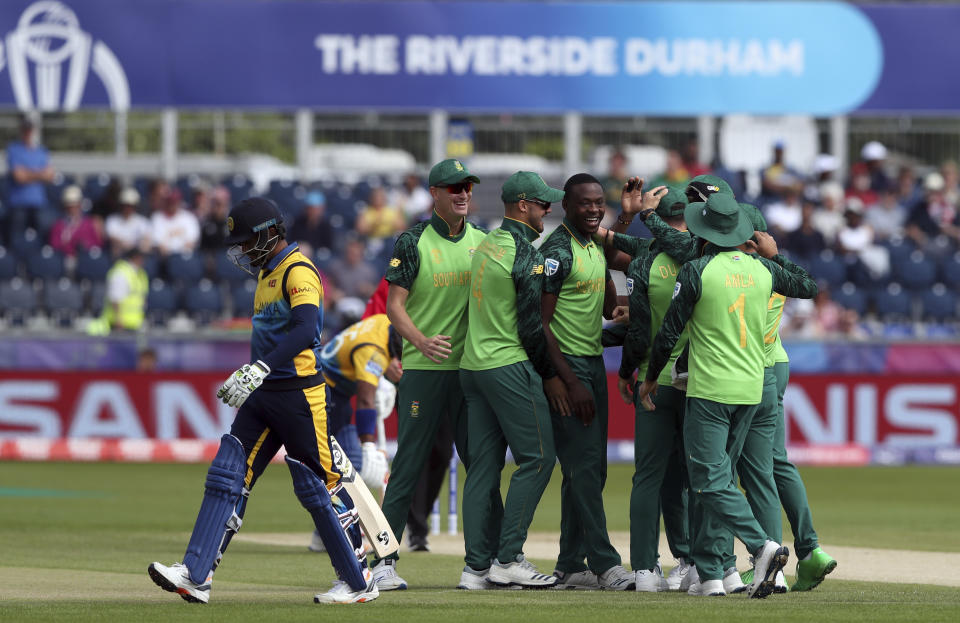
(784, 216)
(824, 167)
(874, 155)
(175, 229)
(676, 174)
(951, 182)
(378, 220)
(158, 194)
(933, 215)
(74, 229)
(28, 172)
(828, 220)
(615, 179)
(907, 189)
(146, 360)
(887, 218)
(312, 228)
(351, 272)
(126, 296)
(778, 179)
(211, 212)
(690, 156)
(860, 187)
(856, 239)
(414, 199)
(805, 242)
(126, 228)
(107, 203)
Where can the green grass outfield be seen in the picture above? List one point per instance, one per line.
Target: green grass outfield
(75, 541)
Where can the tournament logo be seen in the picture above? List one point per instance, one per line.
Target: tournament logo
(415, 408)
(629, 285)
(48, 40)
(552, 266)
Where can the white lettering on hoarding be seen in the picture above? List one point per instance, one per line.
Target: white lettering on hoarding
(177, 400)
(100, 396)
(28, 419)
(797, 405)
(934, 427)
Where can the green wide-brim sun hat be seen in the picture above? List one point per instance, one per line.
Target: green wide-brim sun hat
(719, 220)
(756, 217)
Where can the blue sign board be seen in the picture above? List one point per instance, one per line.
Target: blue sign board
(653, 58)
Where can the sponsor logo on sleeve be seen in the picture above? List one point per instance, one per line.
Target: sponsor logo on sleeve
(676, 290)
(395, 262)
(537, 270)
(374, 368)
(552, 266)
(629, 285)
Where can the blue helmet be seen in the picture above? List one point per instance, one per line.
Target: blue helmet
(257, 224)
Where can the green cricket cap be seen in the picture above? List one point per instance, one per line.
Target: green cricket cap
(528, 185)
(672, 204)
(702, 186)
(759, 223)
(450, 171)
(719, 220)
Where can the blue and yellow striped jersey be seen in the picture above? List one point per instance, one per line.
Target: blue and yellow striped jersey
(288, 280)
(358, 353)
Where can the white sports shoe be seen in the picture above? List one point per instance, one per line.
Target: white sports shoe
(473, 580)
(176, 579)
(689, 579)
(732, 583)
(780, 583)
(385, 575)
(651, 581)
(521, 573)
(770, 559)
(617, 579)
(580, 581)
(677, 574)
(316, 543)
(341, 593)
(710, 588)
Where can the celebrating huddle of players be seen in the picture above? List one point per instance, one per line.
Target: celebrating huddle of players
(506, 341)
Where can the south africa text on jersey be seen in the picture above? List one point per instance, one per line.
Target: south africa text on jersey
(737, 280)
(591, 285)
(451, 278)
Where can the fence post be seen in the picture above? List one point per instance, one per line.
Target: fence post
(438, 136)
(840, 144)
(572, 143)
(706, 129)
(304, 122)
(168, 143)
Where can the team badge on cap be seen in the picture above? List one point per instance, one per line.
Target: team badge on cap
(459, 167)
(552, 266)
(229, 223)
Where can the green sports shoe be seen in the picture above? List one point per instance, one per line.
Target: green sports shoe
(810, 572)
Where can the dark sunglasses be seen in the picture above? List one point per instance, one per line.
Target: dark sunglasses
(542, 204)
(459, 187)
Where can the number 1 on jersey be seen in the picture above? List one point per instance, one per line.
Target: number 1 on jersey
(738, 307)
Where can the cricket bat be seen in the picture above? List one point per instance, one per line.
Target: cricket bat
(372, 520)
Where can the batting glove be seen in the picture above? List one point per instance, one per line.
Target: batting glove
(385, 398)
(374, 471)
(241, 383)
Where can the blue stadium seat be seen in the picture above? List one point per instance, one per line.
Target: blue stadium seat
(162, 301)
(322, 258)
(203, 301)
(19, 300)
(950, 271)
(94, 186)
(63, 300)
(892, 303)
(96, 293)
(8, 265)
(917, 273)
(850, 297)
(46, 265)
(900, 249)
(184, 267)
(939, 304)
(55, 189)
(240, 187)
(241, 295)
(151, 265)
(93, 265)
(829, 267)
(25, 243)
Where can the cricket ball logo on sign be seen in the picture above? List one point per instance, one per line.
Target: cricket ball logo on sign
(48, 38)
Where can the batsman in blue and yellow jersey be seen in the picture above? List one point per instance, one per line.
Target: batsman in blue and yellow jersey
(281, 400)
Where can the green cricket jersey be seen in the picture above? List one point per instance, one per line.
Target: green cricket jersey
(651, 279)
(724, 296)
(576, 271)
(505, 323)
(434, 266)
(773, 348)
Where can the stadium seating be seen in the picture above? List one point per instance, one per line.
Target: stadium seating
(203, 301)
(938, 304)
(829, 267)
(19, 301)
(225, 270)
(162, 302)
(918, 272)
(63, 301)
(45, 265)
(241, 297)
(892, 303)
(950, 271)
(26, 243)
(8, 265)
(184, 267)
(850, 297)
(92, 265)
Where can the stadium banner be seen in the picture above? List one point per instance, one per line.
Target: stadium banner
(835, 419)
(818, 58)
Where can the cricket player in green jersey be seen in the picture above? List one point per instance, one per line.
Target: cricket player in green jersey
(577, 295)
(429, 277)
(503, 363)
(651, 277)
(724, 296)
(813, 564)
